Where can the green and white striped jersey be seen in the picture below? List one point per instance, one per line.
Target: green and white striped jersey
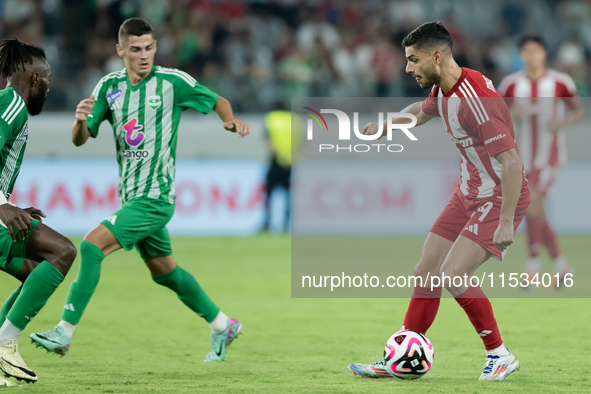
(145, 120)
(14, 132)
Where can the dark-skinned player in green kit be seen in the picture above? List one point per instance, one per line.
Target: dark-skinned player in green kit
(30, 251)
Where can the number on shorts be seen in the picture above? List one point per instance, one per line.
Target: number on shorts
(485, 209)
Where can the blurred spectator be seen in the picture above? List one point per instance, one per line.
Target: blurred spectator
(571, 60)
(258, 52)
(23, 17)
(406, 12)
(576, 15)
(346, 83)
(316, 28)
(387, 65)
(513, 14)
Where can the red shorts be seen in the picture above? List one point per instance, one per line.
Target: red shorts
(542, 178)
(476, 219)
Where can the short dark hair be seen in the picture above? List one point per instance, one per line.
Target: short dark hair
(15, 54)
(134, 27)
(537, 39)
(429, 35)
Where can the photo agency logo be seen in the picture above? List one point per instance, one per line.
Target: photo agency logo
(344, 132)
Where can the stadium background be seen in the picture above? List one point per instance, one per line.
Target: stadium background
(255, 54)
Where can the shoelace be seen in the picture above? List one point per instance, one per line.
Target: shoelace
(490, 361)
(13, 347)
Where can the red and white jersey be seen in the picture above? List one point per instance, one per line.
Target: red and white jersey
(546, 99)
(478, 121)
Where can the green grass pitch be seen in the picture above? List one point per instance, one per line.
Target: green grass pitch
(137, 337)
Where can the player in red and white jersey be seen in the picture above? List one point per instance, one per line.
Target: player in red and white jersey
(546, 101)
(485, 210)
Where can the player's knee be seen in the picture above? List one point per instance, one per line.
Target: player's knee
(420, 270)
(66, 255)
(426, 266)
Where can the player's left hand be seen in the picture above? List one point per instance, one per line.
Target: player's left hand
(237, 125)
(554, 126)
(35, 213)
(504, 236)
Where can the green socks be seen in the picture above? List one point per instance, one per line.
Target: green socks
(36, 290)
(189, 292)
(178, 280)
(82, 289)
(9, 302)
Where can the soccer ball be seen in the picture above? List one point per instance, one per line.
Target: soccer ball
(408, 354)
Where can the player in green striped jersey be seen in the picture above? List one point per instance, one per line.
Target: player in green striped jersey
(30, 251)
(143, 103)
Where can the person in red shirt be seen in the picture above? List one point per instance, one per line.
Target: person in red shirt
(544, 102)
(486, 208)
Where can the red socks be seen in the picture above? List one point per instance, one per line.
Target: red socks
(539, 232)
(425, 303)
(480, 312)
(535, 233)
(422, 309)
(550, 241)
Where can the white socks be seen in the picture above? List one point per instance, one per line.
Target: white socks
(9, 333)
(68, 328)
(560, 264)
(500, 351)
(220, 323)
(533, 265)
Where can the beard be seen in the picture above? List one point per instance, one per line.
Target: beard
(429, 78)
(35, 105)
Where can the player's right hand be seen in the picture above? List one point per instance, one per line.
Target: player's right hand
(504, 235)
(84, 108)
(35, 213)
(14, 217)
(371, 128)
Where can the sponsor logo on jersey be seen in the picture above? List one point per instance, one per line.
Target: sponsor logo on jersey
(489, 84)
(154, 102)
(137, 154)
(495, 138)
(113, 96)
(464, 142)
(130, 127)
(26, 132)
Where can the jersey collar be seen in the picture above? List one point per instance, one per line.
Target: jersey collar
(142, 82)
(455, 87)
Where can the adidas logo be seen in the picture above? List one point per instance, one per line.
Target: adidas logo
(111, 219)
(501, 369)
(484, 333)
(473, 228)
(69, 307)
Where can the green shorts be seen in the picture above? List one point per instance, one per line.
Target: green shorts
(141, 222)
(12, 254)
